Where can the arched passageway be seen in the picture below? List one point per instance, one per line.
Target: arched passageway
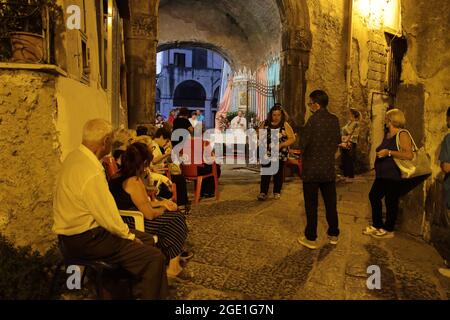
(189, 94)
(247, 33)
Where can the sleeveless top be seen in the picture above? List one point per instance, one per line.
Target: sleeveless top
(122, 198)
(386, 168)
(282, 137)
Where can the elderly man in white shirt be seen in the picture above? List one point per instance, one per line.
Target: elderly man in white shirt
(88, 222)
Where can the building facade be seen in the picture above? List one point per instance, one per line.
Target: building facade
(189, 78)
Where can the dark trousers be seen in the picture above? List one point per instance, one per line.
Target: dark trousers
(348, 159)
(390, 190)
(277, 179)
(310, 194)
(182, 195)
(208, 183)
(144, 261)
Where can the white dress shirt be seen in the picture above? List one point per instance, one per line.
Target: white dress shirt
(82, 200)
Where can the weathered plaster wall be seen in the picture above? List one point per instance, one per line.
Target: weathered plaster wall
(77, 103)
(426, 74)
(328, 59)
(29, 157)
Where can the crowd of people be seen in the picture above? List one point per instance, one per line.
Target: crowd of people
(86, 203)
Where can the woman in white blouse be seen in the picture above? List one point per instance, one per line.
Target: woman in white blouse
(350, 134)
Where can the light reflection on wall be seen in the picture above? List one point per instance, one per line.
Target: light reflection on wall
(380, 13)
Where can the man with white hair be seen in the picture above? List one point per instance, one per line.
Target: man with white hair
(88, 222)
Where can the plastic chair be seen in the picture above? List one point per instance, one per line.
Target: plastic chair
(190, 172)
(110, 165)
(294, 162)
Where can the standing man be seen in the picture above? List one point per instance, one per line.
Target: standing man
(239, 122)
(88, 223)
(200, 116)
(319, 142)
(444, 158)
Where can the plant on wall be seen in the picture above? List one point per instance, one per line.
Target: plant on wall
(21, 30)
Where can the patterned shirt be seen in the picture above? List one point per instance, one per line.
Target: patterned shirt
(319, 142)
(282, 137)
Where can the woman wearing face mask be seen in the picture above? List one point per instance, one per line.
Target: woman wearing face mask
(276, 120)
(388, 183)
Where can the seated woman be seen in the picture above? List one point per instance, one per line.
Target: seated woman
(130, 193)
(161, 151)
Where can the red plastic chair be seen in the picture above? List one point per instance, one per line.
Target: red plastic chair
(190, 171)
(294, 162)
(110, 165)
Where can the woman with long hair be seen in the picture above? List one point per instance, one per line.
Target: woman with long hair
(161, 217)
(276, 120)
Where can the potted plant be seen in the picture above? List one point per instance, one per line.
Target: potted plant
(26, 21)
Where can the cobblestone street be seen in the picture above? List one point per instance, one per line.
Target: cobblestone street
(246, 249)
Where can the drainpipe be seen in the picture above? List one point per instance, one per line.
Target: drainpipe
(348, 74)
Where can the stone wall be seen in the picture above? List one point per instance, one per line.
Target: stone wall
(328, 53)
(426, 84)
(29, 157)
(327, 69)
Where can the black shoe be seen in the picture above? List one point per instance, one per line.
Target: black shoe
(207, 195)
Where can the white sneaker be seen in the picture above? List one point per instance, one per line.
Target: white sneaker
(308, 243)
(333, 240)
(383, 234)
(445, 272)
(370, 230)
(276, 196)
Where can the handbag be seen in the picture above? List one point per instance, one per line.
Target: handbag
(420, 165)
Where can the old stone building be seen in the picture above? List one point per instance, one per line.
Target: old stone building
(189, 77)
(366, 54)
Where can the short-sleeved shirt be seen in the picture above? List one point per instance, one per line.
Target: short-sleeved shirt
(444, 156)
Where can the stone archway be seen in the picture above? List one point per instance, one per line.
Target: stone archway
(189, 94)
(248, 33)
(296, 44)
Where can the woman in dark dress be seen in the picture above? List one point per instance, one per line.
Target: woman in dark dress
(129, 192)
